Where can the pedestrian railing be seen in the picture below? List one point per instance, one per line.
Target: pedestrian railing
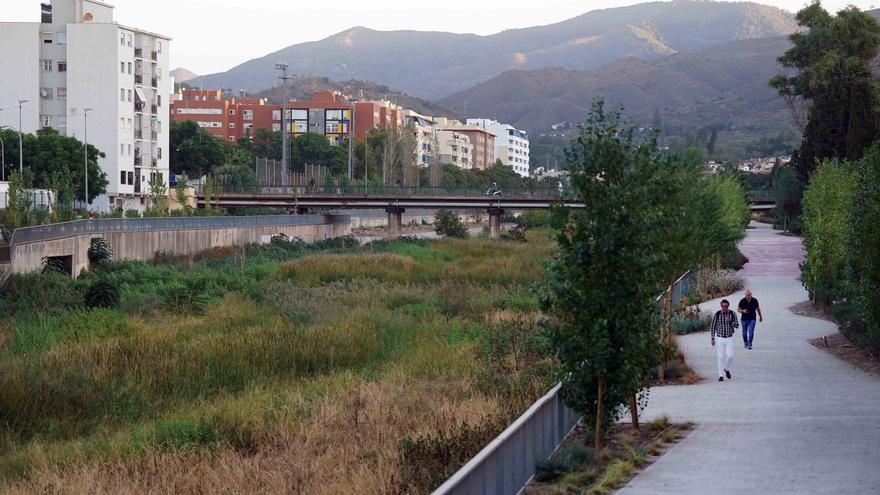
(361, 191)
(507, 463)
(107, 225)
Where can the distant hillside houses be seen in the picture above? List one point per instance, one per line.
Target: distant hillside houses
(754, 165)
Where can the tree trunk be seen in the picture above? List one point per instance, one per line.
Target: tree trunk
(634, 411)
(600, 397)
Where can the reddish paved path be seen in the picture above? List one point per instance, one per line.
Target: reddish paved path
(771, 254)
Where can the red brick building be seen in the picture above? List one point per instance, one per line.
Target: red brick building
(327, 113)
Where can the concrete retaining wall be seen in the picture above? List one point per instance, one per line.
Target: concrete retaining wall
(143, 245)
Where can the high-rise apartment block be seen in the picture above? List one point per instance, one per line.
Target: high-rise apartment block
(511, 144)
(77, 58)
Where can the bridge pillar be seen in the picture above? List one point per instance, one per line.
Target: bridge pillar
(495, 221)
(395, 222)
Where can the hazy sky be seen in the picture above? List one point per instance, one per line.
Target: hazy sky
(215, 35)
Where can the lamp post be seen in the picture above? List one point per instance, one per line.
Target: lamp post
(351, 134)
(2, 156)
(20, 146)
(284, 130)
(86, 153)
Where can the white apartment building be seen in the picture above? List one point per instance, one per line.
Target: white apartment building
(78, 58)
(511, 144)
(426, 136)
(455, 148)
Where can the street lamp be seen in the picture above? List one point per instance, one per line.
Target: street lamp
(284, 130)
(86, 152)
(20, 147)
(2, 156)
(351, 110)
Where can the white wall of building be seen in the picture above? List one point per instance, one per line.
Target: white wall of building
(511, 144)
(455, 149)
(99, 56)
(20, 74)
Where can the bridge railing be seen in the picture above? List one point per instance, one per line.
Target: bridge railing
(394, 191)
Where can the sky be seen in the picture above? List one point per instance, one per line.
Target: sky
(215, 35)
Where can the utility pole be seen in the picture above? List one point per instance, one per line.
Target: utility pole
(20, 147)
(86, 153)
(351, 135)
(2, 157)
(284, 130)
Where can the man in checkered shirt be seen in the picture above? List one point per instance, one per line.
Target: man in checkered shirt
(723, 327)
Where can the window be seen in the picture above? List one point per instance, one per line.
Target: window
(131, 178)
(276, 127)
(248, 115)
(129, 40)
(62, 38)
(231, 111)
(47, 65)
(129, 150)
(129, 67)
(301, 126)
(121, 39)
(45, 120)
(334, 114)
(232, 138)
(122, 176)
(121, 149)
(159, 154)
(47, 38)
(62, 66)
(158, 126)
(122, 123)
(299, 114)
(232, 125)
(122, 67)
(276, 114)
(129, 95)
(47, 93)
(61, 93)
(121, 94)
(248, 128)
(129, 123)
(159, 46)
(159, 100)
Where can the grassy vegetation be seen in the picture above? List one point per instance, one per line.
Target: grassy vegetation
(576, 468)
(286, 367)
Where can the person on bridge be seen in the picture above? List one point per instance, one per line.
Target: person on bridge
(749, 307)
(723, 327)
(493, 191)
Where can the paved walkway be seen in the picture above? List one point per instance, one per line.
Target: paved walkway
(794, 419)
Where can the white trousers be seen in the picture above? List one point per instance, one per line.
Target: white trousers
(724, 349)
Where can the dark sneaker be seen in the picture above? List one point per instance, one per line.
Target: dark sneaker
(750, 347)
(720, 378)
(726, 372)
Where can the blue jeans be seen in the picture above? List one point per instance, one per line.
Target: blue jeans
(748, 332)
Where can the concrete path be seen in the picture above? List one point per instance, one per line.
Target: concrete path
(794, 419)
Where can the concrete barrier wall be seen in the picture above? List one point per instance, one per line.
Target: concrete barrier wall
(143, 245)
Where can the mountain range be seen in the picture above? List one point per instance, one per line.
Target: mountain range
(434, 65)
(725, 85)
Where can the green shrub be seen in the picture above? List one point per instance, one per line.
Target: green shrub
(52, 265)
(100, 254)
(685, 324)
(40, 292)
(570, 459)
(448, 224)
(132, 213)
(516, 234)
(533, 219)
(102, 293)
(175, 435)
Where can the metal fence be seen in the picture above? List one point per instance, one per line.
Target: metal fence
(507, 464)
(106, 225)
(361, 191)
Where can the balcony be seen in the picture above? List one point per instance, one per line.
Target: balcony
(138, 134)
(138, 79)
(139, 106)
(154, 82)
(154, 136)
(154, 109)
(139, 53)
(138, 161)
(155, 162)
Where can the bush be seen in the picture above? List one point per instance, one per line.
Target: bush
(102, 293)
(690, 323)
(732, 258)
(132, 213)
(717, 283)
(533, 219)
(516, 234)
(569, 460)
(99, 253)
(447, 224)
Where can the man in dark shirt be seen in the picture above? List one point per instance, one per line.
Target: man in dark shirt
(750, 309)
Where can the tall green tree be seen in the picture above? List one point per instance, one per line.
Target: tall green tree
(315, 149)
(194, 151)
(788, 192)
(826, 221)
(48, 153)
(832, 59)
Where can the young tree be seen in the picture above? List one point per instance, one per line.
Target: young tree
(826, 221)
(158, 196)
(194, 151)
(18, 207)
(787, 192)
(602, 285)
(48, 153)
